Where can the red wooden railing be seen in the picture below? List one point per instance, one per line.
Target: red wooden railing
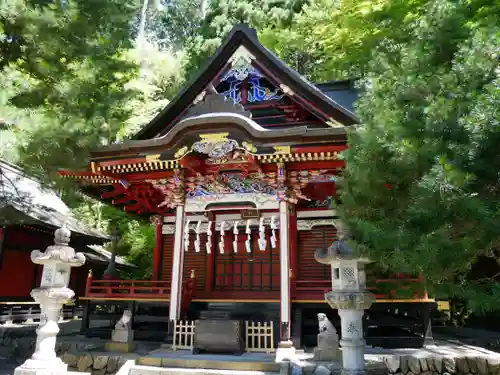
(139, 289)
(127, 289)
(394, 285)
(391, 288)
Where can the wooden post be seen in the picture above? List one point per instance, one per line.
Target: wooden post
(2, 242)
(88, 284)
(85, 317)
(294, 250)
(285, 276)
(426, 323)
(210, 280)
(157, 221)
(177, 265)
(297, 327)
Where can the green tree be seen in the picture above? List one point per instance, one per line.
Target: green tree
(91, 94)
(420, 192)
(333, 40)
(222, 15)
(71, 80)
(71, 72)
(173, 23)
(58, 41)
(137, 236)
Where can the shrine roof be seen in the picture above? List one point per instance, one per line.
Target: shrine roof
(99, 254)
(223, 121)
(343, 92)
(24, 200)
(332, 102)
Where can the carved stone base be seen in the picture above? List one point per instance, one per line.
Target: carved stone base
(327, 354)
(120, 347)
(285, 351)
(347, 300)
(123, 336)
(353, 372)
(34, 367)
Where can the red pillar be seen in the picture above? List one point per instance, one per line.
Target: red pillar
(210, 276)
(294, 250)
(157, 221)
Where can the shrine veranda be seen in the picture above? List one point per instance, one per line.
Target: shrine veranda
(238, 176)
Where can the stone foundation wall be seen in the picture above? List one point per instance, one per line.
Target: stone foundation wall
(93, 363)
(442, 365)
(18, 343)
(15, 350)
(307, 367)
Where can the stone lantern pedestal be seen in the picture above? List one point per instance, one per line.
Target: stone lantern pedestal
(348, 296)
(351, 308)
(52, 294)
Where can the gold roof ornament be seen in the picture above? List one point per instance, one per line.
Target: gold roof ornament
(181, 152)
(282, 149)
(214, 137)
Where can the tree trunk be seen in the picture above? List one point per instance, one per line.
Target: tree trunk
(142, 24)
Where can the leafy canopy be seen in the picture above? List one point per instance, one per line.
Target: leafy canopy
(420, 192)
(66, 59)
(333, 40)
(69, 82)
(222, 15)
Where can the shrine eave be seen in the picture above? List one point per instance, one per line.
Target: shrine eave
(220, 122)
(242, 35)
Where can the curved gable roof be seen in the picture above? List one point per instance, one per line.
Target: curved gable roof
(242, 35)
(25, 199)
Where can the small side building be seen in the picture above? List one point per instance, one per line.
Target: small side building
(29, 215)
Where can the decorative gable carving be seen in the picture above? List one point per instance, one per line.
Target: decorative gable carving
(246, 72)
(216, 103)
(243, 74)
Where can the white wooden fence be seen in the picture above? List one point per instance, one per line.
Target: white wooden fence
(183, 334)
(259, 336)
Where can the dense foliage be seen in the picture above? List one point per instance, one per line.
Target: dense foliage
(75, 82)
(66, 84)
(222, 15)
(421, 191)
(333, 40)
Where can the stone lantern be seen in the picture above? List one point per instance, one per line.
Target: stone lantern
(349, 297)
(52, 294)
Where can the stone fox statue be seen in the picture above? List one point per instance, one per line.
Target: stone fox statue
(325, 325)
(125, 321)
(123, 332)
(328, 341)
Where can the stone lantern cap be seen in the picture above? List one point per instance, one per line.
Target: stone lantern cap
(338, 251)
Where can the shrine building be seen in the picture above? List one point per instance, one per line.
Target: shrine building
(29, 215)
(238, 176)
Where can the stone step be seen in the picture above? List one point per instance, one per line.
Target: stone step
(212, 362)
(153, 370)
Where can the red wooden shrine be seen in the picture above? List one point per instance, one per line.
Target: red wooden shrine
(238, 175)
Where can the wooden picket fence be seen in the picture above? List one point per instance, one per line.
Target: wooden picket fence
(183, 334)
(259, 336)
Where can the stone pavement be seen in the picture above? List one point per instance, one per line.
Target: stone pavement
(88, 355)
(440, 359)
